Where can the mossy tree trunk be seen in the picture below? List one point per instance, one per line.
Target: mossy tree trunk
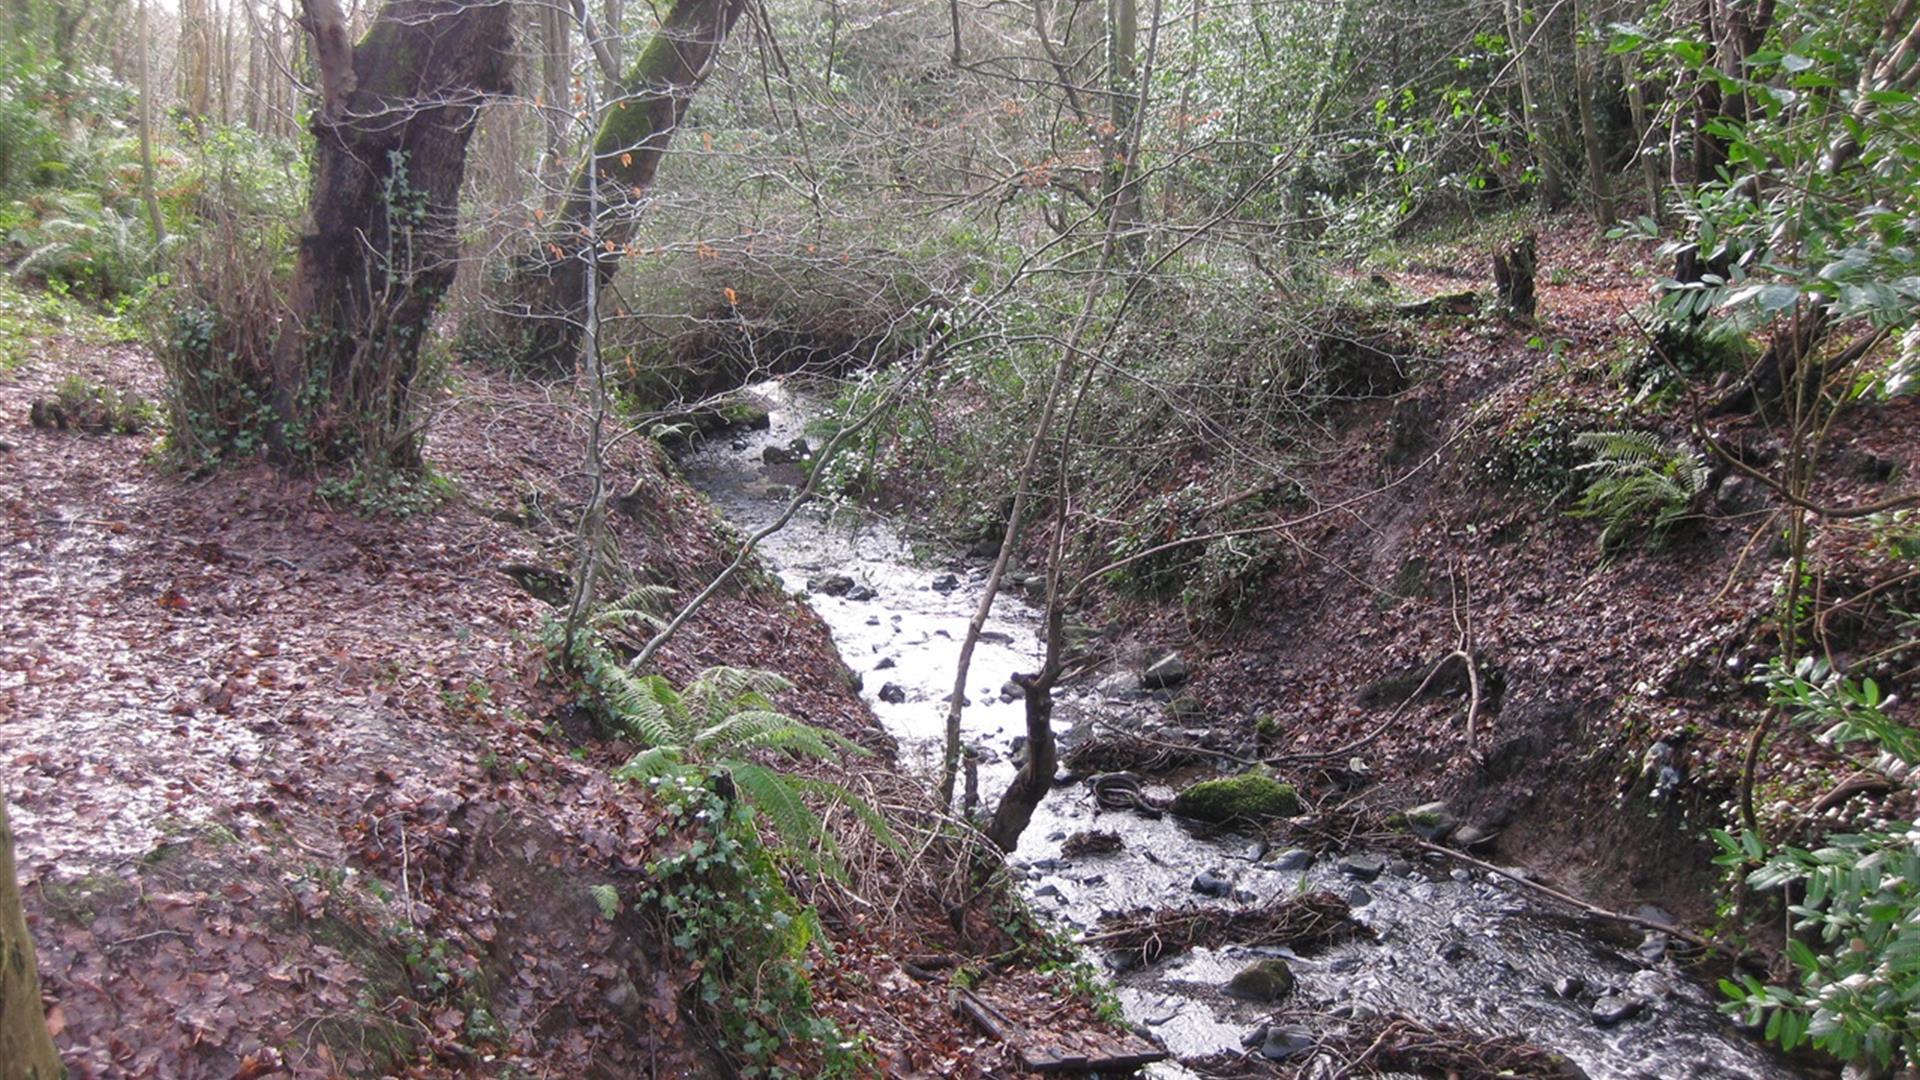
(26, 1050)
(544, 312)
(381, 244)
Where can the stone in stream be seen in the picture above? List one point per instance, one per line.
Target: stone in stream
(1292, 859)
(1120, 684)
(1265, 980)
(1569, 986)
(1211, 883)
(861, 593)
(1430, 821)
(1010, 691)
(945, 583)
(1359, 897)
(893, 694)
(830, 584)
(1617, 1008)
(1165, 673)
(1473, 838)
(1363, 866)
(1282, 1042)
(886, 663)
(1251, 796)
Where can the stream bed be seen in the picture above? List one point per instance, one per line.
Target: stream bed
(1452, 945)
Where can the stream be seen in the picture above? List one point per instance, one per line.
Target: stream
(1453, 945)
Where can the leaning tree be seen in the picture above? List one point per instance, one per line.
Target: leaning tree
(542, 316)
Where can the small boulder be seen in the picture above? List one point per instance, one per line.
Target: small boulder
(1432, 821)
(1251, 796)
(861, 593)
(1165, 673)
(831, 584)
(1266, 980)
(1473, 838)
(777, 455)
(945, 583)
(1209, 883)
(1292, 859)
(893, 694)
(1120, 684)
(1617, 1008)
(1363, 866)
(1569, 986)
(886, 663)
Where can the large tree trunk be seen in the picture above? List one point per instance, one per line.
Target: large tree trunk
(26, 1050)
(544, 314)
(382, 241)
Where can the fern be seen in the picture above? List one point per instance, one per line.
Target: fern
(711, 726)
(1640, 486)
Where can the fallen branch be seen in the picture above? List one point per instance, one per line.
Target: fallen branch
(1655, 925)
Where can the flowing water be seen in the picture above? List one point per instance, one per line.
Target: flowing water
(1452, 946)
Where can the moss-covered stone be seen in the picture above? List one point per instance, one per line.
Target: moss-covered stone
(1251, 796)
(1263, 980)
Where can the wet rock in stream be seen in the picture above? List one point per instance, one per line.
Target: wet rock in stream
(1266, 980)
(893, 694)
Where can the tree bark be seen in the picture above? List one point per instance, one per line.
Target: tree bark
(543, 316)
(1532, 115)
(1584, 63)
(382, 242)
(26, 1049)
(155, 218)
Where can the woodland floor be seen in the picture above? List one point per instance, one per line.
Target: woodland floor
(292, 794)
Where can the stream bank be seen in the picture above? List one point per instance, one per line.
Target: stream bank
(1448, 946)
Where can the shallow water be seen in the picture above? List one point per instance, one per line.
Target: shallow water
(1453, 946)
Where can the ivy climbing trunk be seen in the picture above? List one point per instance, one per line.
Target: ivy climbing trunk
(26, 1050)
(544, 314)
(381, 244)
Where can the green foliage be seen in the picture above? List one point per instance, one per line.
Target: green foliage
(93, 251)
(1540, 455)
(1250, 796)
(725, 909)
(372, 489)
(1640, 487)
(714, 724)
(215, 327)
(1813, 208)
(96, 407)
(1856, 949)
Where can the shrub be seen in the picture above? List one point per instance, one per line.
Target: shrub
(1856, 953)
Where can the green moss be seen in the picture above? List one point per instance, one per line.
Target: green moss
(1251, 796)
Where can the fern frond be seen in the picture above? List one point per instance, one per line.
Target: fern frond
(640, 605)
(752, 729)
(777, 797)
(650, 764)
(648, 706)
(1640, 485)
(860, 808)
(720, 690)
